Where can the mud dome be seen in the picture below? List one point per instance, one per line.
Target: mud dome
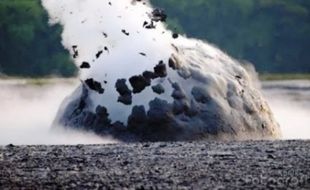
(141, 82)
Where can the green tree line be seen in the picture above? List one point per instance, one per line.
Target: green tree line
(272, 34)
(28, 45)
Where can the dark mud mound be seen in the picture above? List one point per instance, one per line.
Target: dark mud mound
(201, 105)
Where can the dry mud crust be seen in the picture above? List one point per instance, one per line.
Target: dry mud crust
(180, 165)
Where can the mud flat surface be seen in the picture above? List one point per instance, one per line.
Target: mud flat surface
(190, 165)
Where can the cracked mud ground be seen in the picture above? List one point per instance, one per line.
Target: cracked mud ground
(180, 165)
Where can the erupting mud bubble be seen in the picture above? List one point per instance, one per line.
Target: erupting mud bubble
(152, 84)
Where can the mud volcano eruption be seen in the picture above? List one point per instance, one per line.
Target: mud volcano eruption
(142, 82)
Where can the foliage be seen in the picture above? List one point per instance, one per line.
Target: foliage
(28, 45)
(272, 34)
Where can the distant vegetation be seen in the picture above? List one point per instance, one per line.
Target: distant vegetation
(272, 34)
(28, 46)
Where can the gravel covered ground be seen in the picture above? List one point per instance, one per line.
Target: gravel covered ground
(189, 165)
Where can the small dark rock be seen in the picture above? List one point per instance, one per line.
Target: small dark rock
(145, 23)
(139, 83)
(94, 85)
(75, 51)
(105, 34)
(106, 49)
(160, 70)
(99, 53)
(150, 26)
(122, 87)
(175, 35)
(125, 93)
(125, 32)
(85, 65)
(143, 54)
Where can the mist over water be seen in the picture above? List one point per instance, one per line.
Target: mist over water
(27, 112)
(290, 103)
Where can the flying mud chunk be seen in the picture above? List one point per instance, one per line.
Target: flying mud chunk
(94, 85)
(75, 51)
(175, 35)
(160, 70)
(98, 54)
(124, 92)
(143, 54)
(106, 49)
(125, 32)
(105, 34)
(150, 25)
(139, 83)
(85, 65)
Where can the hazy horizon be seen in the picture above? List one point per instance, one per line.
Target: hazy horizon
(27, 112)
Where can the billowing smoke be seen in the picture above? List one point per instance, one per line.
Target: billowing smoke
(142, 81)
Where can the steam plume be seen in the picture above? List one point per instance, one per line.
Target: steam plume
(137, 75)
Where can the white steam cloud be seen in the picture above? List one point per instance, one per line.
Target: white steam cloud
(27, 112)
(122, 40)
(94, 25)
